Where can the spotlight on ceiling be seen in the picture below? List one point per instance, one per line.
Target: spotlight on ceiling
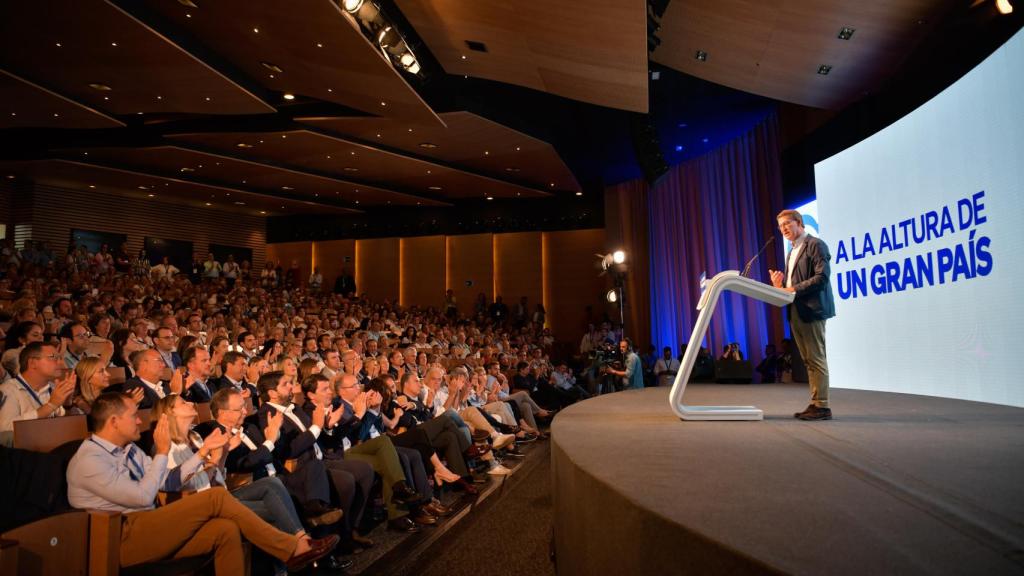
(612, 296)
(352, 6)
(618, 256)
(388, 36)
(288, 96)
(1004, 6)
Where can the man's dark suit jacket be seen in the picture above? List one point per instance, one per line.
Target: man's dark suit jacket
(293, 443)
(149, 397)
(813, 300)
(223, 382)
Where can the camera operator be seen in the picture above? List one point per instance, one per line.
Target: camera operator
(633, 374)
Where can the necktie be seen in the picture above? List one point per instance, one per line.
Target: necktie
(135, 470)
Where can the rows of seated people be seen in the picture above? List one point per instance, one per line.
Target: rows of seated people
(219, 413)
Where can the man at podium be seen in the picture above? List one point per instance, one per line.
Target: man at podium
(807, 276)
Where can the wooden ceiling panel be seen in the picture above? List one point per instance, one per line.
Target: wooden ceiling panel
(593, 51)
(27, 105)
(66, 46)
(360, 162)
(319, 50)
(173, 161)
(774, 48)
(469, 140)
(85, 176)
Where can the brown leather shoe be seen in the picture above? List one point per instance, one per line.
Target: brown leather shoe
(438, 509)
(810, 408)
(422, 517)
(319, 548)
(476, 451)
(817, 414)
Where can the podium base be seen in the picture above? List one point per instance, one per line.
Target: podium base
(720, 413)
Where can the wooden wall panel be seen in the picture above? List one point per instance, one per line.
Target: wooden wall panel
(517, 268)
(332, 256)
(573, 282)
(285, 252)
(56, 211)
(470, 259)
(378, 273)
(423, 271)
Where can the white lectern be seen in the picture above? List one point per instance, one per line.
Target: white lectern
(729, 280)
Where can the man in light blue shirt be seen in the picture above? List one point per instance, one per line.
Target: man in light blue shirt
(633, 375)
(109, 472)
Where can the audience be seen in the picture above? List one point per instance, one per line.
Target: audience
(313, 394)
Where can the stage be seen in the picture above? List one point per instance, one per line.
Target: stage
(895, 484)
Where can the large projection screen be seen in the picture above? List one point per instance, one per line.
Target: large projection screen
(925, 222)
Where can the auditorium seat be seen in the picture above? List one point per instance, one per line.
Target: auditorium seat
(57, 545)
(45, 434)
(203, 408)
(117, 375)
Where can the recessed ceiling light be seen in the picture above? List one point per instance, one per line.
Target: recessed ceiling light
(511, 169)
(207, 98)
(208, 204)
(14, 113)
(463, 56)
(152, 195)
(433, 188)
(330, 89)
(824, 69)
(243, 145)
(328, 156)
(352, 153)
(428, 145)
(272, 67)
(187, 169)
(58, 45)
(256, 30)
(106, 98)
(289, 96)
(287, 188)
(159, 97)
(56, 115)
(357, 201)
(10, 176)
(187, 15)
(239, 203)
(114, 44)
(138, 112)
(490, 197)
(350, 169)
(319, 45)
(551, 184)
(579, 193)
(92, 185)
(263, 211)
(378, 135)
(517, 148)
(143, 187)
(100, 87)
(383, 103)
(410, 129)
(487, 153)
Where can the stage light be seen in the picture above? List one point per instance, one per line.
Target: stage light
(387, 37)
(612, 296)
(1004, 6)
(352, 6)
(619, 256)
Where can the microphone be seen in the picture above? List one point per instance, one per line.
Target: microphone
(750, 262)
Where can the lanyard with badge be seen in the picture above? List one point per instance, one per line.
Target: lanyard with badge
(30, 391)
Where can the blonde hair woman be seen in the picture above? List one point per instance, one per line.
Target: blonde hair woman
(93, 378)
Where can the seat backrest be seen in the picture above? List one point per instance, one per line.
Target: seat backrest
(54, 546)
(45, 434)
(117, 375)
(205, 415)
(146, 416)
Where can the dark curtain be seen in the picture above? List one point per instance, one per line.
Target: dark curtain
(708, 215)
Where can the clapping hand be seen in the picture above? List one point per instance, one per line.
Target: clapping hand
(137, 395)
(275, 419)
(63, 389)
